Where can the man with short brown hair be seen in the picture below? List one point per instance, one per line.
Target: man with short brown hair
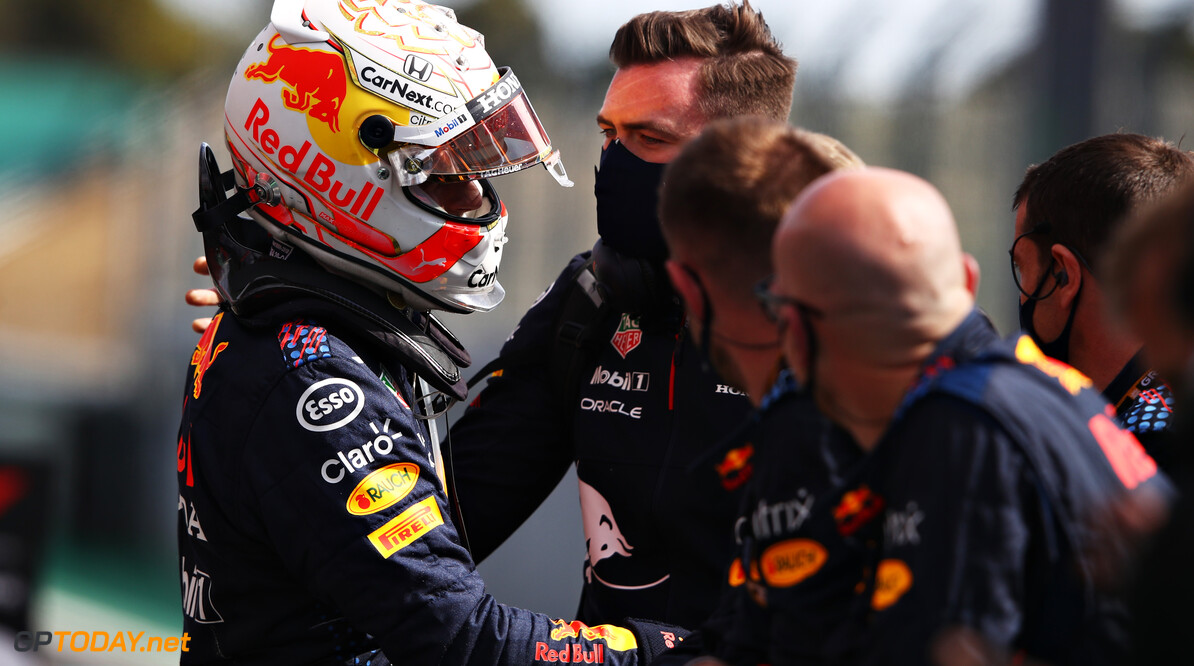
(602, 371)
(1066, 210)
(721, 202)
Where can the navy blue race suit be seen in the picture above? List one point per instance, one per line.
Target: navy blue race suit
(645, 425)
(313, 526)
(974, 509)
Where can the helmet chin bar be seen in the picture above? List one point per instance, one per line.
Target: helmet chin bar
(263, 290)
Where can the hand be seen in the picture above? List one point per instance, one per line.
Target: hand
(201, 297)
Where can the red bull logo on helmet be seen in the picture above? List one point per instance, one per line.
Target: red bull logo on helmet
(316, 82)
(319, 173)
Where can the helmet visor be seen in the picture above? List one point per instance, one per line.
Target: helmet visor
(497, 133)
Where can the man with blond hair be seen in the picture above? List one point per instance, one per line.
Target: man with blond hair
(983, 458)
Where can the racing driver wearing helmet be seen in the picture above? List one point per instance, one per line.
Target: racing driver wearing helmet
(313, 522)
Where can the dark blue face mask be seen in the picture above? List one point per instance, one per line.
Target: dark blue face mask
(627, 190)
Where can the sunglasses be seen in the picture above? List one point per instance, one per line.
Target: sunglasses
(771, 302)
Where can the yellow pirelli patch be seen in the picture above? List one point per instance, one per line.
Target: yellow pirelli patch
(407, 527)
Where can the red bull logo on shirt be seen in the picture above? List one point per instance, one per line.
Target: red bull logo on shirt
(616, 638)
(316, 82)
(205, 353)
(735, 469)
(856, 509)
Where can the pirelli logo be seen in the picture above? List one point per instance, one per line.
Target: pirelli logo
(406, 528)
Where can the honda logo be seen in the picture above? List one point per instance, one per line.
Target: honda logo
(417, 67)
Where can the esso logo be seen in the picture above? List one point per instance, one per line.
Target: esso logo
(329, 404)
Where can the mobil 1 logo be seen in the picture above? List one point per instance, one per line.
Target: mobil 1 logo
(627, 381)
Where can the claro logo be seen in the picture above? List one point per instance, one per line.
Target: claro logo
(329, 404)
(383, 488)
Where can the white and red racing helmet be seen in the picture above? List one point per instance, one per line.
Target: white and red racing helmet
(373, 126)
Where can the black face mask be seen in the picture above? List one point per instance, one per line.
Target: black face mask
(1060, 347)
(627, 190)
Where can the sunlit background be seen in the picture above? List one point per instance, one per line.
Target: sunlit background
(105, 102)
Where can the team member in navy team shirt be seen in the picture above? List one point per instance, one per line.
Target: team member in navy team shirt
(984, 458)
(603, 371)
(1067, 209)
(721, 203)
(313, 523)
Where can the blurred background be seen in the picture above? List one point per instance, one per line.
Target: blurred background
(105, 103)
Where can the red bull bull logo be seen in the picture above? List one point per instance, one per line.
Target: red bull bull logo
(617, 638)
(316, 81)
(856, 509)
(736, 468)
(205, 353)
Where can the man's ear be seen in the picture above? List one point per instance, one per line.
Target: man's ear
(973, 273)
(1068, 273)
(687, 287)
